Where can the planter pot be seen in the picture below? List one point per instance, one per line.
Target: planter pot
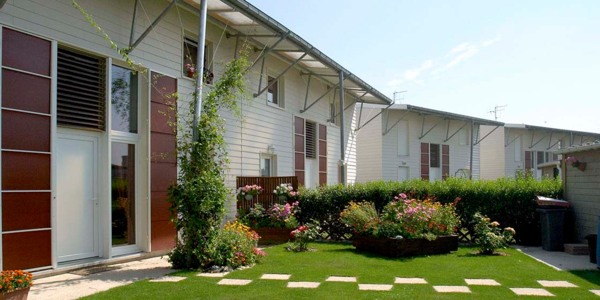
(15, 295)
(272, 236)
(248, 197)
(406, 247)
(581, 166)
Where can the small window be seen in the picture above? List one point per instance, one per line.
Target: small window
(267, 165)
(190, 55)
(334, 108)
(311, 139)
(275, 91)
(124, 100)
(434, 155)
(541, 157)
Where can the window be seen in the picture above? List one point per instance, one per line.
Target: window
(434, 155)
(81, 86)
(267, 165)
(124, 100)
(311, 139)
(334, 109)
(275, 91)
(190, 57)
(123, 193)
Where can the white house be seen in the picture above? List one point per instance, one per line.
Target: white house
(406, 141)
(86, 152)
(521, 148)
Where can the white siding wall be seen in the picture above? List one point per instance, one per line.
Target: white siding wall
(493, 153)
(368, 147)
(582, 190)
(260, 126)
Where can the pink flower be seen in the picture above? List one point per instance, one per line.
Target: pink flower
(402, 195)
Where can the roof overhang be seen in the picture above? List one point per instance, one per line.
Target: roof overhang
(550, 129)
(242, 19)
(438, 113)
(580, 148)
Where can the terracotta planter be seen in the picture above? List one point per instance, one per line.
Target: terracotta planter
(15, 295)
(406, 247)
(272, 236)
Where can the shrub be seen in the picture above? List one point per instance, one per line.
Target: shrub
(361, 216)
(236, 246)
(489, 236)
(510, 201)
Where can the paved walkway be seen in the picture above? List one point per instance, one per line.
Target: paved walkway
(82, 283)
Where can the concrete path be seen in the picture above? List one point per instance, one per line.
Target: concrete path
(73, 285)
(559, 260)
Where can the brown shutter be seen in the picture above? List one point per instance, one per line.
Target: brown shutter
(528, 160)
(425, 161)
(445, 161)
(26, 153)
(322, 154)
(299, 149)
(163, 164)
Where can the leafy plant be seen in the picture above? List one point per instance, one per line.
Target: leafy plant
(198, 198)
(361, 216)
(277, 216)
(303, 235)
(236, 246)
(489, 236)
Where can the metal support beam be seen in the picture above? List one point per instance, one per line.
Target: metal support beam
(488, 134)
(430, 129)
(318, 74)
(345, 108)
(448, 130)
(342, 138)
(260, 92)
(538, 141)
(266, 51)
(387, 130)
(199, 67)
(512, 141)
(135, 5)
(375, 116)
(250, 35)
(145, 33)
(550, 139)
(557, 141)
(307, 89)
(321, 97)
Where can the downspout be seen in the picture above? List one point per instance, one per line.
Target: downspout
(342, 146)
(199, 67)
(471, 150)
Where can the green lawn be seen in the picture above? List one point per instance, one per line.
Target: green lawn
(515, 270)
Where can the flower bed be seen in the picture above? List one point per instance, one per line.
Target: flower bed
(273, 235)
(405, 247)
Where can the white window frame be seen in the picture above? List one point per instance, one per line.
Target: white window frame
(273, 166)
(208, 54)
(280, 83)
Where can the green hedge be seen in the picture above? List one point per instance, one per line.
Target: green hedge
(509, 201)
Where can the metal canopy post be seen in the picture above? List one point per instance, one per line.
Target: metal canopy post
(147, 31)
(342, 146)
(279, 76)
(135, 5)
(471, 151)
(199, 67)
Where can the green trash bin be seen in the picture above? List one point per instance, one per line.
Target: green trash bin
(552, 220)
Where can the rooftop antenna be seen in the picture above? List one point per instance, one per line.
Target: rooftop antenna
(399, 98)
(497, 110)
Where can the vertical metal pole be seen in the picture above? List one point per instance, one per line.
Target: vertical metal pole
(342, 124)
(199, 67)
(471, 150)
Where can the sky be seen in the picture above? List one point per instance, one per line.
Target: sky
(537, 60)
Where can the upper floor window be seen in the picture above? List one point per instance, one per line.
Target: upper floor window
(267, 165)
(275, 91)
(434, 155)
(190, 57)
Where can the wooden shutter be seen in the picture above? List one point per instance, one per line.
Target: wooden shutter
(425, 161)
(163, 159)
(80, 93)
(311, 139)
(445, 161)
(299, 149)
(528, 155)
(322, 154)
(26, 151)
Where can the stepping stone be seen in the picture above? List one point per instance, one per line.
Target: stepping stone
(375, 287)
(490, 282)
(276, 276)
(303, 284)
(214, 275)
(556, 283)
(531, 292)
(340, 279)
(234, 282)
(401, 280)
(168, 279)
(451, 289)
(595, 292)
